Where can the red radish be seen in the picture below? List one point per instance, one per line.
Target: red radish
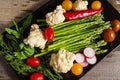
(84, 64)
(89, 52)
(92, 60)
(79, 57)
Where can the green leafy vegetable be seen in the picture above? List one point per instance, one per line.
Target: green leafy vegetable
(72, 36)
(16, 52)
(16, 26)
(26, 24)
(13, 32)
(1, 40)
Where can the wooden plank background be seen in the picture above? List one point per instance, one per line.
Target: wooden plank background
(16, 9)
(107, 69)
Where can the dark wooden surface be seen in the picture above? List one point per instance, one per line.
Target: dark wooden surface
(107, 69)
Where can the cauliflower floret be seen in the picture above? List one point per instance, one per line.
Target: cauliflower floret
(80, 5)
(62, 61)
(36, 37)
(56, 16)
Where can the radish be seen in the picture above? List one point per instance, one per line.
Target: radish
(79, 57)
(84, 64)
(92, 60)
(89, 52)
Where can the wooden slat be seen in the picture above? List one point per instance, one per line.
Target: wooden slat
(116, 6)
(16, 9)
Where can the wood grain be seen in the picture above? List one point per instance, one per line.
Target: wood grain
(116, 6)
(107, 69)
(16, 9)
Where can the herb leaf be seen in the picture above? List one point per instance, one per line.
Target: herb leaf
(26, 24)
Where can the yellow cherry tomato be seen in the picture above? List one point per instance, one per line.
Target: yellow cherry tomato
(67, 5)
(96, 5)
(77, 69)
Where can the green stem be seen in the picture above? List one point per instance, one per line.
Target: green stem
(41, 20)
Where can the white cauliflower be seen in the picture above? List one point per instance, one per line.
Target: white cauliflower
(36, 37)
(80, 5)
(62, 61)
(56, 16)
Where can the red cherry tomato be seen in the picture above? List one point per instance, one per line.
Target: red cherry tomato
(37, 76)
(33, 61)
(49, 34)
(109, 35)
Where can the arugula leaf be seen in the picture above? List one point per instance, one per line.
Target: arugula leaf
(13, 32)
(16, 25)
(20, 55)
(1, 39)
(9, 57)
(21, 45)
(26, 51)
(26, 24)
(29, 51)
(21, 67)
(15, 45)
(11, 37)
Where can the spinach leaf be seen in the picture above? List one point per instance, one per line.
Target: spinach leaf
(26, 52)
(20, 55)
(15, 45)
(11, 37)
(1, 40)
(13, 32)
(29, 51)
(16, 25)
(26, 24)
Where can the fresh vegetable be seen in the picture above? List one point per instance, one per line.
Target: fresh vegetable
(109, 35)
(32, 61)
(79, 58)
(13, 32)
(77, 69)
(37, 76)
(115, 25)
(55, 16)
(25, 51)
(88, 57)
(62, 61)
(73, 36)
(89, 52)
(80, 5)
(96, 5)
(92, 60)
(80, 33)
(36, 37)
(84, 64)
(73, 15)
(67, 5)
(49, 34)
(16, 52)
